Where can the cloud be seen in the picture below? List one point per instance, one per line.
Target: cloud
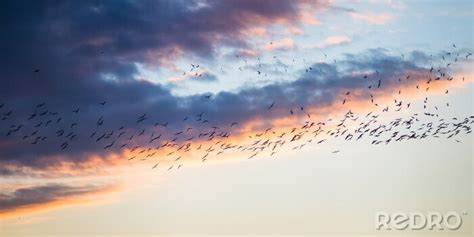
(248, 52)
(283, 44)
(144, 31)
(372, 18)
(127, 100)
(309, 18)
(46, 196)
(204, 77)
(77, 44)
(88, 53)
(332, 41)
(196, 75)
(398, 4)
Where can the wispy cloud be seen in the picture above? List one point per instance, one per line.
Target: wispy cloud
(332, 41)
(372, 18)
(396, 4)
(47, 196)
(282, 44)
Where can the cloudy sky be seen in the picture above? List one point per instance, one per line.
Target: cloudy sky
(159, 117)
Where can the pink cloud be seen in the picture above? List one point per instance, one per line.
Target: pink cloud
(283, 44)
(372, 18)
(332, 40)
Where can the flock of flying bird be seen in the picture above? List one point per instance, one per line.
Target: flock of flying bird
(200, 136)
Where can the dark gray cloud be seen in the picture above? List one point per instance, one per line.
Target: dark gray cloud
(74, 44)
(42, 195)
(321, 86)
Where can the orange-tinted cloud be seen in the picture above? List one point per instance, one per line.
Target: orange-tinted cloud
(38, 198)
(206, 119)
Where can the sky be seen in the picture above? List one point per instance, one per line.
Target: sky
(233, 117)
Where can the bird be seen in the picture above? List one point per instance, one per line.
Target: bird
(271, 106)
(110, 145)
